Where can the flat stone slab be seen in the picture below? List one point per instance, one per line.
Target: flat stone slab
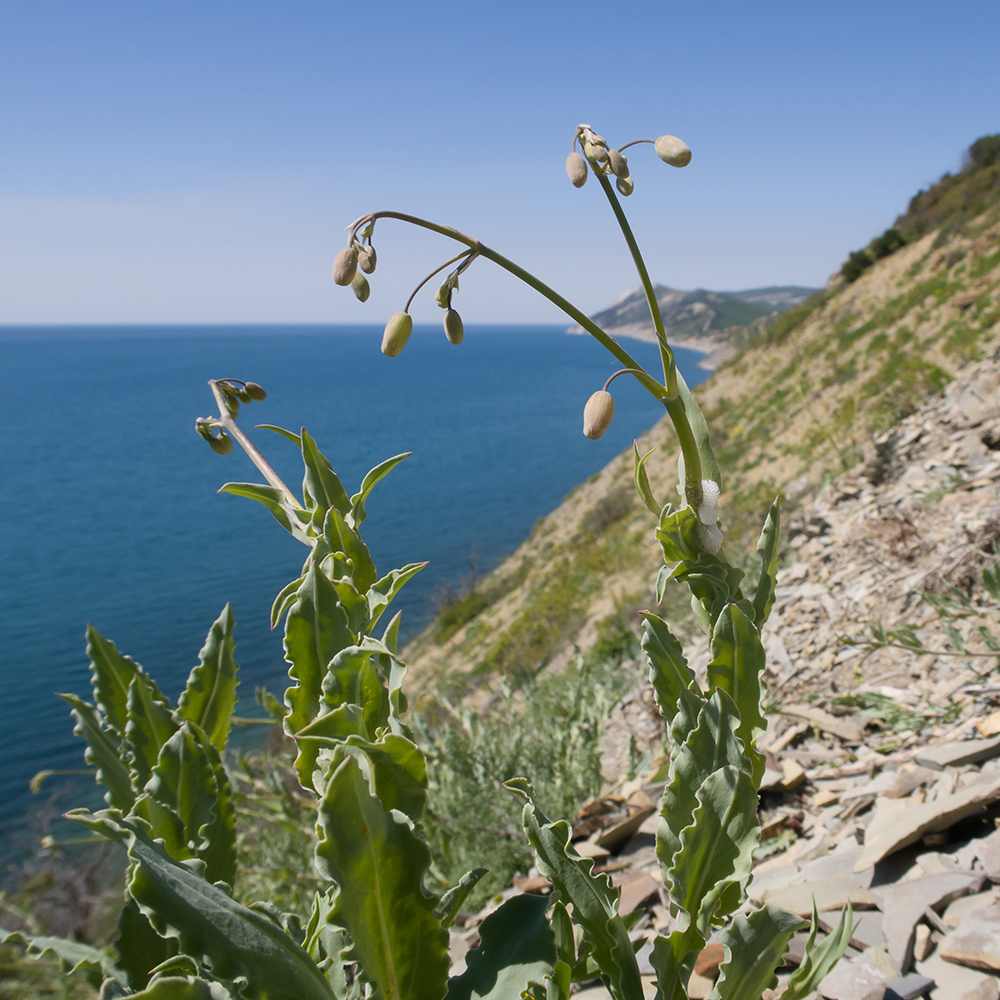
(847, 728)
(829, 894)
(912, 823)
(988, 852)
(982, 904)
(976, 943)
(956, 982)
(959, 753)
(853, 981)
(909, 987)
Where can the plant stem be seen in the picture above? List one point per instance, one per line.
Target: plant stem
(247, 445)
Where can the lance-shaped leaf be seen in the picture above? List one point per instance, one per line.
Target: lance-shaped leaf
(753, 946)
(517, 947)
(767, 546)
(594, 898)
(73, 956)
(207, 922)
(352, 678)
(102, 752)
(284, 508)
(703, 442)
(358, 513)
(737, 667)
(669, 672)
(210, 695)
(188, 803)
(673, 961)
(378, 863)
(151, 722)
(316, 629)
(282, 432)
(818, 961)
(284, 600)
(716, 850)
(642, 480)
(321, 486)
(451, 902)
(678, 534)
(111, 673)
(383, 591)
(341, 537)
(140, 949)
(711, 744)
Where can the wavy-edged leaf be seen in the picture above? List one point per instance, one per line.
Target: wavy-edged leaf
(767, 545)
(354, 678)
(184, 988)
(712, 743)
(642, 480)
(702, 439)
(451, 902)
(673, 961)
(341, 537)
(669, 672)
(188, 803)
(111, 673)
(289, 435)
(209, 698)
(358, 513)
(336, 726)
(517, 947)
(594, 898)
(151, 722)
(378, 863)
(753, 946)
(818, 961)
(316, 629)
(73, 956)
(678, 534)
(321, 486)
(207, 922)
(397, 772)
(737, 667)
(285, 511)
(284, 600)
(102, 752)
(716, 849)
(382, 592)
(139, 948)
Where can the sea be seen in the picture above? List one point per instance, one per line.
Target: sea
(111, 513)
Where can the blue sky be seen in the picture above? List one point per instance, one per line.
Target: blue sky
(198, 161)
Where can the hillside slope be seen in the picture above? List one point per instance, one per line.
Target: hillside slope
(806, 401)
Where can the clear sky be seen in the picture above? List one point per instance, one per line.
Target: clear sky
(179, 161)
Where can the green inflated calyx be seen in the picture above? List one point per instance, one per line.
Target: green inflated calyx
(453, 328)
(397, 333)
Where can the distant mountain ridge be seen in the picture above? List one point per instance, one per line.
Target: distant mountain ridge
(695, 319)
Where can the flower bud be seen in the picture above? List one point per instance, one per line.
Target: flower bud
(443, 296)
(672, 150)
(625, 186)
(453, 328)
(255, 392)
(221, 445)
(597, 414)
(243, 396)
(594, 152)
(360, 286)
(204, 427)
(345, 265)
(366, 259)
(397, 333)
(576, 167)
(619, 165)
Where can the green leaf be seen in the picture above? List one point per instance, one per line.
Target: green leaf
(562, 927)
(341, 537)
(139, 948)
(284, 508)
(594, 898)
(678, 534)
(184, 988)
(72, 955)
(753, 945)
(316, 629)
(818, 961)
(517, 947)
(188, 803)
(711, 744)
(383, 591)
(352, 678)
(737, 667)
(210, 695)
(642, 481)
(767, 546)
(378, 864)
(673, 961)
(102, 753)
(991, 580)
(669, 672)
(716, 849)
(703, 442)
(208, 923)
(321, 486)
(358, 513)
(336, 726)
(284, 600)
(290, 435)
(151, 722)
(111, 674)
(451, 902)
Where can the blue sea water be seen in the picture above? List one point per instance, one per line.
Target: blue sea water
(110, 511)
